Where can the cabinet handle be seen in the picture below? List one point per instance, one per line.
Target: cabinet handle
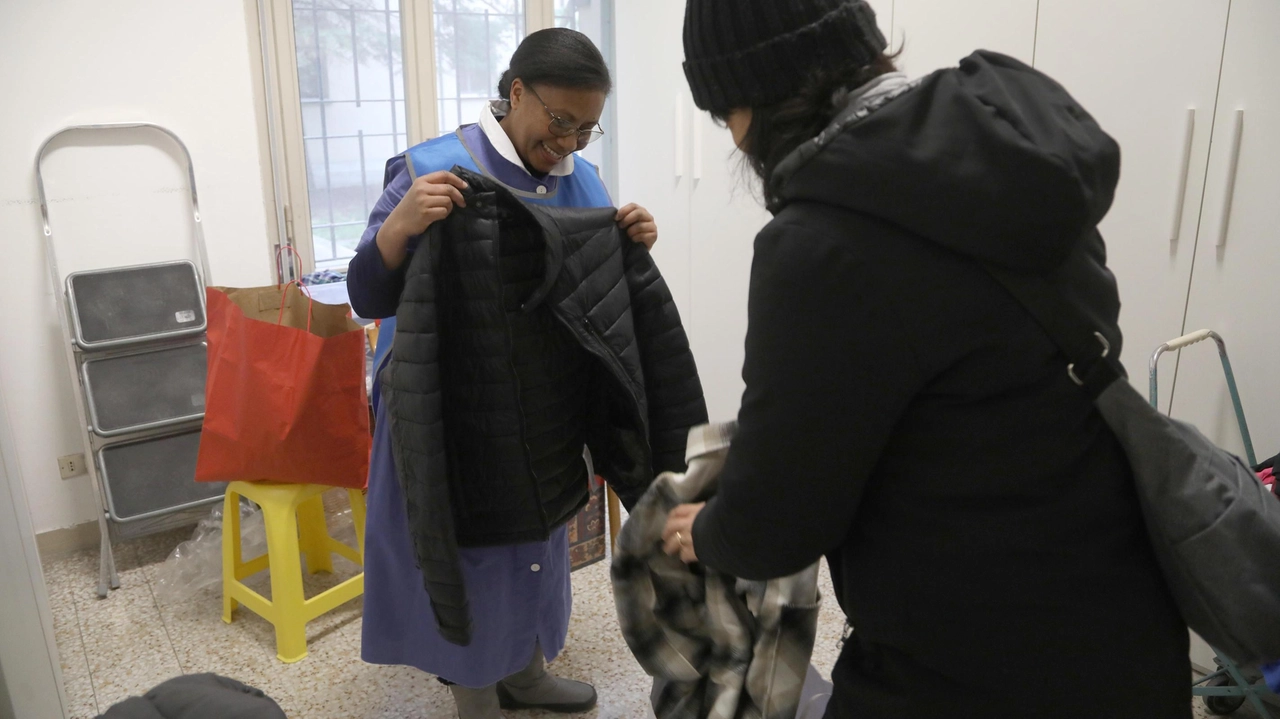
(698, 122)
(679, 143)
(1237, 136)
(1180, 202)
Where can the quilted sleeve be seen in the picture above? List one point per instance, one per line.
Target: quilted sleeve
(411, 387)
(672, 386)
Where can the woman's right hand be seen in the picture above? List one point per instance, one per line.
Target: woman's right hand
(430, 199)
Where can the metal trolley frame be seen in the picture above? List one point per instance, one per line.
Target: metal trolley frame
(1226, 690)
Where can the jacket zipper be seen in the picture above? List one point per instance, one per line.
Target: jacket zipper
(616, 368)
(524, 429)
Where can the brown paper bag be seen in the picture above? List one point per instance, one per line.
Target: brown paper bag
(285, 398)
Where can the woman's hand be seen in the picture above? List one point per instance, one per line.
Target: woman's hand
(430, 199)
(677, 538)
(639, 225)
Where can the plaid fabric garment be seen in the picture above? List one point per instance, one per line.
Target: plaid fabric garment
(717, 647)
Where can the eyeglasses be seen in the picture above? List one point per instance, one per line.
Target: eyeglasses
(561, 127)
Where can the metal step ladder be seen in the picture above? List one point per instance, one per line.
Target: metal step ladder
(134, 339)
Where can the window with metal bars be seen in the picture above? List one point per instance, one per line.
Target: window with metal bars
(358, 81)
(351, 92)
(474, 40)
(567, 13)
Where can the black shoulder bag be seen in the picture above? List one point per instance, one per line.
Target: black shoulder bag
(1214, 526)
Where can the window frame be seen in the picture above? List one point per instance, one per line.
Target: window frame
(281, 125)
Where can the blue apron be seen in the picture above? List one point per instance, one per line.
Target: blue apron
(520, 594)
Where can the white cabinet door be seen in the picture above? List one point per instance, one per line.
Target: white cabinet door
(1152, 86)
(654, 118)
(29, 669)
(1238, 250)
(674, 160)
(937, 33)
(1233, 287)
(726, 216)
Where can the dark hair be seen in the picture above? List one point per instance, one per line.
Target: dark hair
(558, 57)
(778, 129)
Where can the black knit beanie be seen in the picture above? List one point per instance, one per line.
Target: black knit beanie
(748, 53)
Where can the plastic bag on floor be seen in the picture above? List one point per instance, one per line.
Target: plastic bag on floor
(337, 512)
(343, 528)
(196, 564)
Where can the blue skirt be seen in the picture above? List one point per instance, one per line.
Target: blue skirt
(520, 594)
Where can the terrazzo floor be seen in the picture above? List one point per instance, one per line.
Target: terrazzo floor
(124, 645)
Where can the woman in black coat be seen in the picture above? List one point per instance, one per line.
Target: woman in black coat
(904, 416)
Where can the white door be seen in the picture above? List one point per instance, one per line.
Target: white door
(654, 111)
(726, 216)
(937, 33)
(1152, 86)
(29, 666)
(674, 160)
(1233, 288)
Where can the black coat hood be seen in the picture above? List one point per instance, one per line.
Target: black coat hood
(993, 160)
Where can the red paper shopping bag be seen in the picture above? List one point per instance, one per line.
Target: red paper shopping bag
(285, 398)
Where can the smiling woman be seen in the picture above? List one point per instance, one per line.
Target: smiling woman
(548, 124)
(492, 649)
(567, 134)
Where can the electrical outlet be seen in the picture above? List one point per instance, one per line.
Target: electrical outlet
(71, 466)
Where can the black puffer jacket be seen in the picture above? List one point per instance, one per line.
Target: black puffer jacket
(907, 418)
(524, 332)
(198, 696)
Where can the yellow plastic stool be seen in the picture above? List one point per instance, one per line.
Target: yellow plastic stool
(294, 518)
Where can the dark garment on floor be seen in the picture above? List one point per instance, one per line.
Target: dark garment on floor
(198, 696)
(905, 416)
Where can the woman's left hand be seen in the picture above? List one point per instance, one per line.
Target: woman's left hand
(639, 225)
(677, 538)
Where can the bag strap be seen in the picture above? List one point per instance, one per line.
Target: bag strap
(1091, 365)
(284, 301)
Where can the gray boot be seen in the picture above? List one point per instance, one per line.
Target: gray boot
(533, 688)
(476, 703)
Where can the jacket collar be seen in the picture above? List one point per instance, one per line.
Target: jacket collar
(553, 235)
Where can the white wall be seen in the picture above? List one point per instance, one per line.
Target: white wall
(186, 65)
(933, 34)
